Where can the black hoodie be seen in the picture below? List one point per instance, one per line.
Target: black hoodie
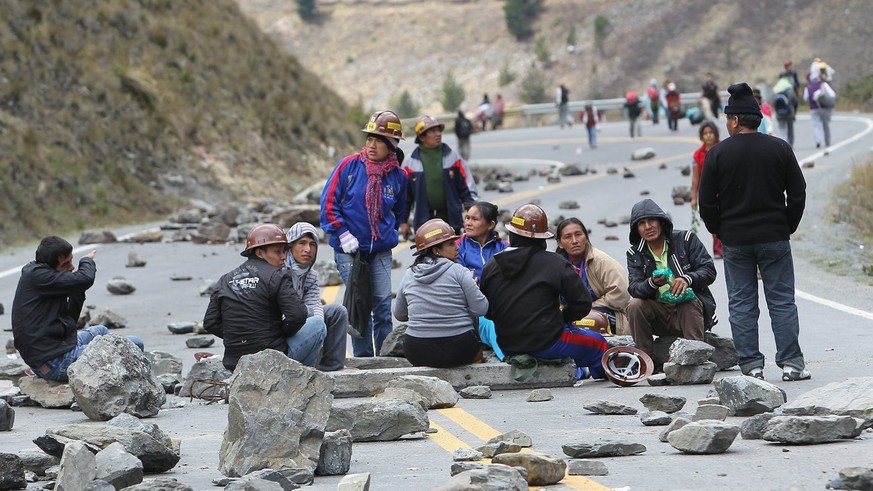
(686, 256)
(525, 287)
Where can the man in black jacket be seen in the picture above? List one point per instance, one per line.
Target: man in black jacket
(256, 306)
(47, 304)
(658, 306)
(752, 195)
(525, 285)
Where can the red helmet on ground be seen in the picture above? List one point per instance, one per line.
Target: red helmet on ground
(263, 235)
(530, 221)
(433, 232)
(424, 124)
(627, 365)
(384, 123)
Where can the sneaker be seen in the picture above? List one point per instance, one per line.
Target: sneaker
(758, 373)
(582, 373)
(790, 374)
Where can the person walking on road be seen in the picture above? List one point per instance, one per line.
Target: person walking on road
(333, 318)
(497, 112)
(709, 136)
(669, 273)
(654, 97)
(362, 204)
(752, 195)
(672, 101)
(525, 286)
(562, 100)
(709, 91)
(590, 118)
(634, 108)
(821, 98)
(46, 308)
(463, 130)
(440, 302)
(256, 306)
(440, 185)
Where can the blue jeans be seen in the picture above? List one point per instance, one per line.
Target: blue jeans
(306, 345)
(57, 367)
(741, 264)
(333, 355)
(380, 324)
(592, 136)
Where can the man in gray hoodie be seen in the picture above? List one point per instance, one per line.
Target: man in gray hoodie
(303, 238)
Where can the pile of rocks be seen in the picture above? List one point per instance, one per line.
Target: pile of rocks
(689, 363)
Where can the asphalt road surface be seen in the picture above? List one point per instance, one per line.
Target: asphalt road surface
(836, 315)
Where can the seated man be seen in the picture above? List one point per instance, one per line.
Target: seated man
(47, 304)
(658, 306)
(525, 285)
(303, 238)
(256, 307)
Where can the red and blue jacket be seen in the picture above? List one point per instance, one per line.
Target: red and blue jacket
(459, 185)
(343, 205)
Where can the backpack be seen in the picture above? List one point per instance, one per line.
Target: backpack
(782, 105)
(463, 128)
(824, 100)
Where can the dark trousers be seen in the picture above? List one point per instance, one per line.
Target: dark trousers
(447, 352)
(650, 317)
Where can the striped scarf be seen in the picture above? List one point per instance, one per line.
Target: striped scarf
(375, 172)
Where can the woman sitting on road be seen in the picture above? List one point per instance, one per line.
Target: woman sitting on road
(439, 300)
(603, 276)
(479, 241)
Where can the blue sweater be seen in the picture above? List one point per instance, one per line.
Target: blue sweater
(473, 255)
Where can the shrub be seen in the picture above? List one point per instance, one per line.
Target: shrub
(602, 29)
(405, 107)
(520, 14)
(542, 51)
(306, 10)
(571, 36)
(533, 86)
(507, 76)
(453, 93)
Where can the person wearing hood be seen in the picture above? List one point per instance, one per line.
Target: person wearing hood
(752, 195)
(526, 287)
(256, 306)
(303, 241)
(658, 306)
(440, 302)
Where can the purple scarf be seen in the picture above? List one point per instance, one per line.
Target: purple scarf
(375, 172)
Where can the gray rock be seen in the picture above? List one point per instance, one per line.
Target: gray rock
(607, 407)
(513, 436)
(708, 400)
(808, 430)
(715, 412)
(276, 415)
(540, 395)
(568, 205)
(118, 467)
(437, 392)
(113, 376)
(748, 396)
(160, 484)
(328, 275)
(476, 392)
(463, 454)
(857, 478)
(377, 419)
(262, 480)
(7, 416)
(643, 153)
(335, 457)
(187, 215)
(104, 236)
(370, 362)
(162, 362)
(689, 352)
(47, 393)
(11, 472)
(853, 397)
(36, 461)
(354, 482)
(78, 467)
(655, 418)
(491, 449)
(393, 344)
(459, 467)
(487, 477)
(402, 394)
(207, 287)
(298, 475)
(602, 448)
(120, 286)
(153, 235)
(690, 374)
(200, 341)
(205, 380)
(169, 382)
(665, 403)
(155, 455)
(542, 469)
(287, 216)
(586, 467)
(613, 341)
(705, 437)
(725, 355)
(109, 319)
(132, 423)
(181, 327)
(211, 232)
(504, 187)
(674, 425)
(180, 277)
(11, 370)
(99, 485)
(753, 428)
(658, 380)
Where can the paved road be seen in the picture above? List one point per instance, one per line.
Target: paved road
(835, 316)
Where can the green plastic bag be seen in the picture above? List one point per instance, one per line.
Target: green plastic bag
(668, 297)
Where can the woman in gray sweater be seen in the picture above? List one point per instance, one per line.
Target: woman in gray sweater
(440, 302)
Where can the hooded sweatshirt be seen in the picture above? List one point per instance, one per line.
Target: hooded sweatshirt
(686, 256)
(438, 298)
(524, 286)
(304, 278)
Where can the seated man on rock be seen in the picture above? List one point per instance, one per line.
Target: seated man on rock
(669, 273)
(256, 306)
(303, 238)
(47, 304)
(525, 286)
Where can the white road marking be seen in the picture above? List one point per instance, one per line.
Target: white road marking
(76, 251)
(834, 305)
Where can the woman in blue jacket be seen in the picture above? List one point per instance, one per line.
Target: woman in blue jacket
(479, 241)
(360, 205)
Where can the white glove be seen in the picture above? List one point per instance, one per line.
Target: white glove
(349, 243)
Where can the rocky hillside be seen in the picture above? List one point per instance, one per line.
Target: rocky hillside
(375, 49)
(111, 111)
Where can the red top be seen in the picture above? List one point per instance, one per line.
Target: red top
(699, 155)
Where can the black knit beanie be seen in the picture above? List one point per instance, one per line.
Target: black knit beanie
(741, 100)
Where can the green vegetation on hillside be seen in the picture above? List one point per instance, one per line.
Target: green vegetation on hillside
(111, 111)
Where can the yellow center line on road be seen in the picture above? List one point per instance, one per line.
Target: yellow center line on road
(485, 432)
